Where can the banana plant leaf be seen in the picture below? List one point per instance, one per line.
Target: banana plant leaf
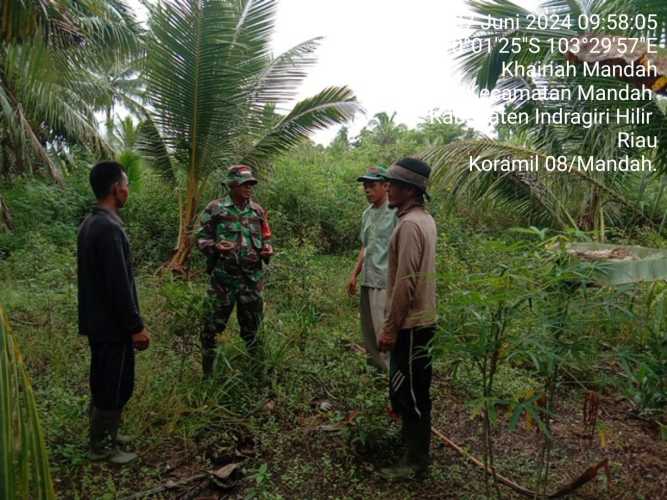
(615, 265)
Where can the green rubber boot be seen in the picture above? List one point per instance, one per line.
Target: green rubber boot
(118, 456)
(121, 439)
(104, 438)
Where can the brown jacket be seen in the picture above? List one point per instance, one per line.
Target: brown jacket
(411, 296)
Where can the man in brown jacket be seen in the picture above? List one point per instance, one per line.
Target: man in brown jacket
(410, 314)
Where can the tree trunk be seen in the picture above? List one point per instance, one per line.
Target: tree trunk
(188, 216)
(38, 149)
(589, 219)
(6, 222)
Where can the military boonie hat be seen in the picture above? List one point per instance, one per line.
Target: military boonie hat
(373, 174)
(410, 171)
(239, 174)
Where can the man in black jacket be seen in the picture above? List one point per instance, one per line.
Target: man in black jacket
(108, 311)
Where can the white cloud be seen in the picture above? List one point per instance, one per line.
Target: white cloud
(393, 54)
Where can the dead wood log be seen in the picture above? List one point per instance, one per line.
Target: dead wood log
(584, 478)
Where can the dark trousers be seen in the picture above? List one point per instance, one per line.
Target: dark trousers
(111, 374)
(410, 374)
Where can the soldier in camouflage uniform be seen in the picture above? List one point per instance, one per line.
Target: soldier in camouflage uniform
(235, 237)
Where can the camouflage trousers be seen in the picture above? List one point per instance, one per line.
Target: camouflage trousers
(220, 303)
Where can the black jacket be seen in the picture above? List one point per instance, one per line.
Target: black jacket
(108, 305)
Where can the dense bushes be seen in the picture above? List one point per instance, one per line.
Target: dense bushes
(39, 206)
(612, 343)
(315, 198)
(151, 220)
(47, 218)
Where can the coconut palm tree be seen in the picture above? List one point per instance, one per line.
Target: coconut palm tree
(574, 198)
(638, 55)
(49, 74)
(554, 199)
(384, 130)
(121, 84)
(209, 77)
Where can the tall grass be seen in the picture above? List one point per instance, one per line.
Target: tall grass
(24, 464)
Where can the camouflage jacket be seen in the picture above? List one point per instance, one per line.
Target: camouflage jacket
(222, 221)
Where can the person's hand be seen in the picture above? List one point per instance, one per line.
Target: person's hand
(387, 342)
(225, 247)
(267, 251)
(352, 285)
(141, 340)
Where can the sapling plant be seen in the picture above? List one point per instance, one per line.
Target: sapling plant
(557, 338)
(185, 303)
(479, 332)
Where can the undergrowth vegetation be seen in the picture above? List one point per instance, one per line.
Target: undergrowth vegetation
(518, 340)
(555, 379)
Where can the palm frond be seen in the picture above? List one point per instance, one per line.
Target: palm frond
(552, 192)
(281, 77)
(45, 93)
(108, 29)
(332, 106)
(48, 70)
(24, 463)
(484, 67)
(193, 89)
(21, 20)
(530, 193)
(153, 149)
(24, 135)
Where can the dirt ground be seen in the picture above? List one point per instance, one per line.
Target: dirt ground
(305, 456)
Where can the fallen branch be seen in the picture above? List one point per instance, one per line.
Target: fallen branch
(584, 478)
(588, 475)
(356, 348)
(169, 485)
(507, 482)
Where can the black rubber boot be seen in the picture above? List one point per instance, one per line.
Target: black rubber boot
(207, 362)
(419, 447)
(415, 462)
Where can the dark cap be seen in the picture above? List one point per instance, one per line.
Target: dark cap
(374, 174)
(410, 171)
